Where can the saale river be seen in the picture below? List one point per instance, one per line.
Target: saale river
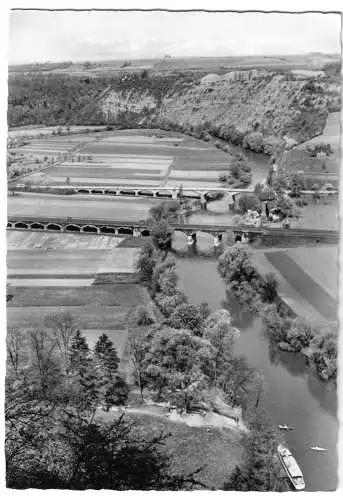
(292, 394)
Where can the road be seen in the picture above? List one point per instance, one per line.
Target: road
(80, 206)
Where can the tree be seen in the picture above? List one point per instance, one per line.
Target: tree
(61, 327)
(77, 452)
(82, 379)
(174, 365)
(299, 334)
(15, 344)
(147, 262)
(324, 354)
(161, 235)
(164, 210)
(112, 387)
(276, 324)
(248, 202)
(105, 354)
(269, 288)
(187, 316)
(135, 349)
(44, 365)
(240, 276)
(204, 310)
(169, 302)
(222, 335)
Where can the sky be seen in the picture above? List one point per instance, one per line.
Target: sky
(40, 36)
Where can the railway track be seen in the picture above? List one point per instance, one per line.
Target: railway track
(328, 234)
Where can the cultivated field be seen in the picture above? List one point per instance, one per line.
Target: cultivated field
(132, 158)
(80, 206)
(201, 64)
(45, 259)
(307, 279)
(53, 273)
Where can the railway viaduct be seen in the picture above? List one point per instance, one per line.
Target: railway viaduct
(142, 228)
(142, 191)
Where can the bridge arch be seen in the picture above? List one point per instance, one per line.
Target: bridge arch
(145, 232)
(107, 230)
(89, 229)
(73, 228)
(9, 224)
(97, 191)
(110, 191)
(146, 192)
(83, 191)
(127, 192)
(125, 230)
(37, 225)
(164, 193)
(54, 227)
(194, 195)
(21, 225)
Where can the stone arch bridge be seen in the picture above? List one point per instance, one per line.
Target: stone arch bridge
(121, 228)
(199, 193)
(141, 228)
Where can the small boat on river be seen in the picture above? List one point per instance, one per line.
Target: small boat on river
(286, 428)
(291, 467)
(317, 448)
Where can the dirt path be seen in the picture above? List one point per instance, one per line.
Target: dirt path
(191, 419)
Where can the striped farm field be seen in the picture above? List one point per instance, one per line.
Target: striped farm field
(128, 158)
(43, 259)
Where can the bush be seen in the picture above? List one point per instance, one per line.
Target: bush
(324, 356)
(143, 317)
(253, 141)
(299, 334)
(187, 316)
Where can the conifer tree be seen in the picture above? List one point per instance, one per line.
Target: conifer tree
(112, 387)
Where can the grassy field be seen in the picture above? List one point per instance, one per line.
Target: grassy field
(216, 450)
(97, 309)
(299, 159)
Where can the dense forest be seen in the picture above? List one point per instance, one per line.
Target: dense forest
(38, 99)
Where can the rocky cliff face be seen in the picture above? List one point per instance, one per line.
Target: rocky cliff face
(258, 110)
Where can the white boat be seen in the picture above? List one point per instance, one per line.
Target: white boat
(317, 448)
(285, 428)
(291, 467)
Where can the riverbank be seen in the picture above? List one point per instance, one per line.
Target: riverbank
(292, 393)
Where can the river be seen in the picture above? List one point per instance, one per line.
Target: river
(292, 394)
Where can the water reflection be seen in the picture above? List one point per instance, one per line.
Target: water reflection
(294, 363)
(324, 393)
(242, 318)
